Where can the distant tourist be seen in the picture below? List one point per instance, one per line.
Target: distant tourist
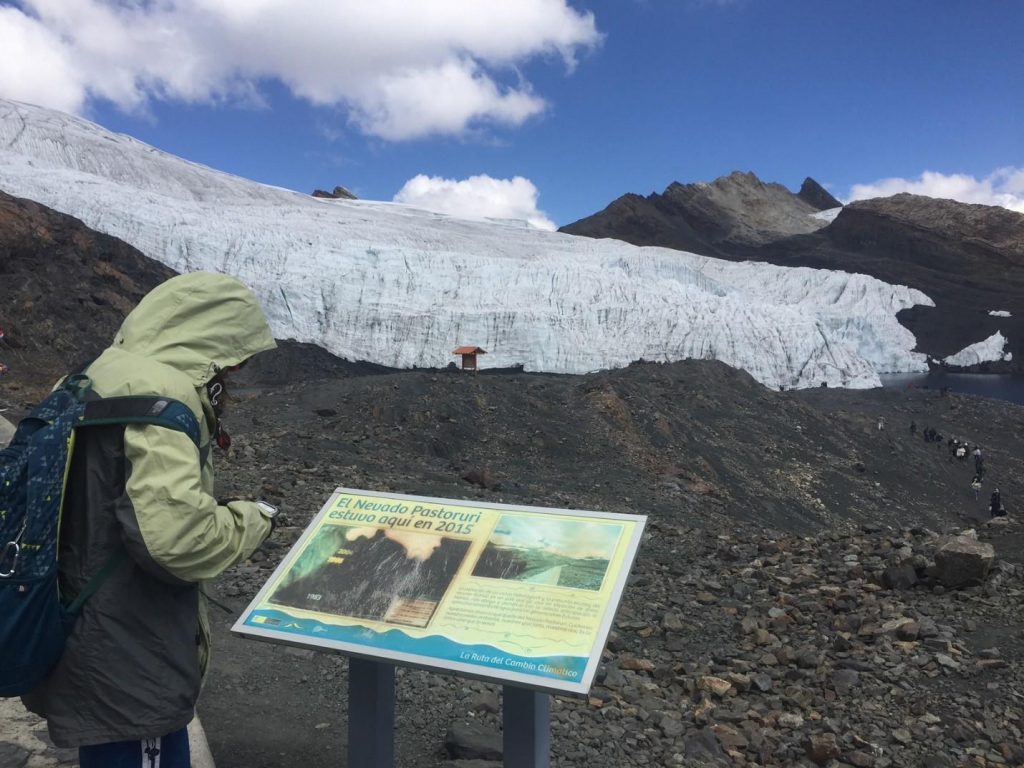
(913, 427)
(995, 505)
(978, 459)
(976, 486)
(881, 423)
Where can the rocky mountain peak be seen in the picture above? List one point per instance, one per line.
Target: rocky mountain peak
(815, 195)
(339, 193)
(737, 210)
(741, 179)
(737, 182)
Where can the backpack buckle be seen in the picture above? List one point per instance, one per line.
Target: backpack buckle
(12, 551)
(78, 385)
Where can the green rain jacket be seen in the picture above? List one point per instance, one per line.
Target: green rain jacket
(133, 665)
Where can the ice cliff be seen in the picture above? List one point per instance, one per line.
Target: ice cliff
(401, 286)
(988, 350)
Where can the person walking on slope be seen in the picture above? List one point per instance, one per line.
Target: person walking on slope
(995, 505)
(126, 685)
(978, 459)
(976, 486)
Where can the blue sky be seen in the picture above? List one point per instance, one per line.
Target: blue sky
(584, 101)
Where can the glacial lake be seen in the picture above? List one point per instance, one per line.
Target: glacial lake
(1001, 386)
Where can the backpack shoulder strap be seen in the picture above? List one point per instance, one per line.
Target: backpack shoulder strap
(143, 409)
(161, 411)
(108, 569)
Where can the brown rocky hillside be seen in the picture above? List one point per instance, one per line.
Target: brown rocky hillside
(64, 290)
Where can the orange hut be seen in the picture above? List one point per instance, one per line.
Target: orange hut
(469, 356)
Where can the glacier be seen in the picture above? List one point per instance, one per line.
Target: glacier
(987, 350)
(401, 286)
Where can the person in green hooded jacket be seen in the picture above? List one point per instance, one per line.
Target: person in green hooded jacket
(126, 686)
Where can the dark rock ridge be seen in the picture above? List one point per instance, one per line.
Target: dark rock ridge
(64, 289)
(339, 193)
(969, 259)
(738, 210)
(814, 194)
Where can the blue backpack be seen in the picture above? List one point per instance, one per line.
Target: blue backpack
(34, 620)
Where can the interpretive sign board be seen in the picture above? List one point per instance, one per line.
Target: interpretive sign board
(512, 594)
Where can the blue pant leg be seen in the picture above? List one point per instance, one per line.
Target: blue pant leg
(170, 751)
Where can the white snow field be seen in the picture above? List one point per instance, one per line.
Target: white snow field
(829, 214)
(988, 350)
(401, 286)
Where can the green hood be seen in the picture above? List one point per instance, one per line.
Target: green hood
(197, 323)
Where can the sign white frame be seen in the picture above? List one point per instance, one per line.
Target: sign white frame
(498, 676)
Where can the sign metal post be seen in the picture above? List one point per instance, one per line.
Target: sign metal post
(526, 724)
(371, 714)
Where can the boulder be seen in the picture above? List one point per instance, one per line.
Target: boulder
(900, 577)
(821, 748)
(704, 745)
(471, 741)
(963, 561)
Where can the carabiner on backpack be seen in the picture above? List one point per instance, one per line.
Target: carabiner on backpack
(11, 550)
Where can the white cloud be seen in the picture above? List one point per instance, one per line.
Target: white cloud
(403, 70)
(444, 99)
(477, 197)
(35, 66)
(1004, 186)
